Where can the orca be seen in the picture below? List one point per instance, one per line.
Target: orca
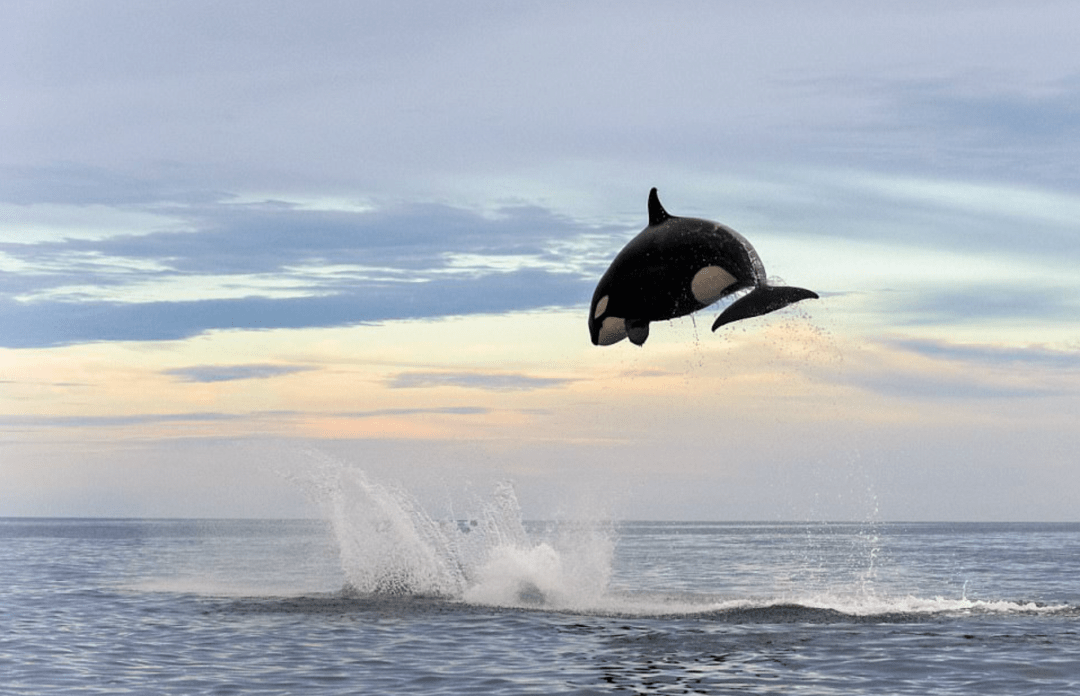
(675, 267)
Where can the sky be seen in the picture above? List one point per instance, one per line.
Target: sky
(243, 242)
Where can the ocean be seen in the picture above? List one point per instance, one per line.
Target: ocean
(382, 597)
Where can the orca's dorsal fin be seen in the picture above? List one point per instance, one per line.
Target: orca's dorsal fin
(657, 214)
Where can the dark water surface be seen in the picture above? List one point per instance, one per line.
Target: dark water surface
(497, 607)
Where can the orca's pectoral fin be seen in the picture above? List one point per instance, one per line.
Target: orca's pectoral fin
(761, 300)
(637, 331)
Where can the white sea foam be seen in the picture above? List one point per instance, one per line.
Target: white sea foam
(389, 545)
(871, 605)
(808, 607)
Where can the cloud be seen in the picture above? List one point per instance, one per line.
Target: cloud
(228, 373)
(486, 94)
(18, 422)
(938, 387)
(644, 373)
(991, 114)
(495, 381)
(941, 304)
(992, 355)
(267, 265)
(934, 371)
(24, 325)
(442, 410)
(171, 185)
(12, 422)
(274, 265)
(226, 237)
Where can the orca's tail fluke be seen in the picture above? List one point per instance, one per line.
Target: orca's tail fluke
(762, 300)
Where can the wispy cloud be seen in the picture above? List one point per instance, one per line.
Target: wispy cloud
(993, 355)
(441, 410)
(12, 422)
(228, 373)
(264, 265)
(936, 371)
(16, 422)
(489, 381)
(944, 304)
(950, 387)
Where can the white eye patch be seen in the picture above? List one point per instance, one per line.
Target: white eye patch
(612, 330)
(601, 307)
(709, 283)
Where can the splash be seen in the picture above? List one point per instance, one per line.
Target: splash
(569, 570)
(389, 545)
(483, 554)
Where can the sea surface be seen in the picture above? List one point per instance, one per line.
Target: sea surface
(382, 598)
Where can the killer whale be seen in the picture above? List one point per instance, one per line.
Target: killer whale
(676, 266)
